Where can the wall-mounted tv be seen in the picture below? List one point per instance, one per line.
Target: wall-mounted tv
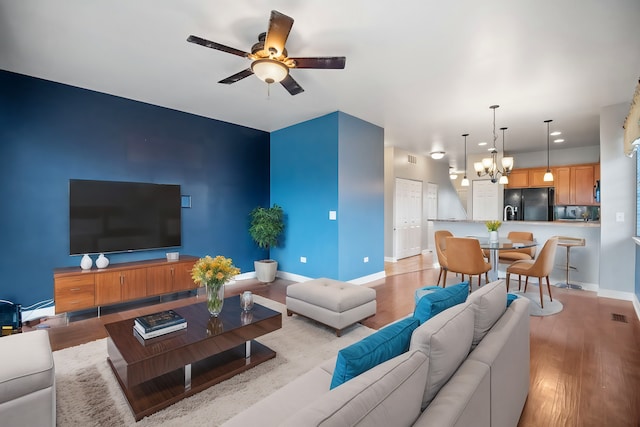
(114, 216)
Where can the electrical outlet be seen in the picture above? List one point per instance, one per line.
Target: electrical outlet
(366, 259)
(303, 259)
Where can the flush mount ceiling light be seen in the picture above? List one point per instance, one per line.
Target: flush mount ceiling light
(555, 133)
(269, 70)
(465, 180)
(558, 141)
(452, 174)
(548, 176)
(437, 155)
(489, 165)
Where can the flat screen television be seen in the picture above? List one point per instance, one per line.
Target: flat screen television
(113, 216)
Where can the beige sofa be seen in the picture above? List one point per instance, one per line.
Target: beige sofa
(467, 366)
(27, 380)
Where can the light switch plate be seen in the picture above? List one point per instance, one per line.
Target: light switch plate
(619, 216)
(332, 215)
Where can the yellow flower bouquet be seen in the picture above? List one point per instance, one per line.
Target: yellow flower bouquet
(493, 225)
(213, 273)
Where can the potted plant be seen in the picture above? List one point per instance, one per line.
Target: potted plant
(267, 225)
(493, 226)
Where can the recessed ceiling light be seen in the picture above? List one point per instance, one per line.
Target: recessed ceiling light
(437, 155)
(558, 141)
(482, 143)
(555, 133)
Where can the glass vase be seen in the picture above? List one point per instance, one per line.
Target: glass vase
(215, 298)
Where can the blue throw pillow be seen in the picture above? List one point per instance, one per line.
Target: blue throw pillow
(379, 347)
(438, 301)
(419, 293)
(511, 298)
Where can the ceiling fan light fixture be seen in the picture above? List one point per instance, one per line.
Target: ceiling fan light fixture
(269, 70)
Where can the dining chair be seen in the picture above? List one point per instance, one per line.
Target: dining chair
(540, 267)
(440, 237)
(465, 256)
(509, 256)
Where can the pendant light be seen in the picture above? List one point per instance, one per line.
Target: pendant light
(507, 162)
(465, 180)
(489, 165)
(548, 176)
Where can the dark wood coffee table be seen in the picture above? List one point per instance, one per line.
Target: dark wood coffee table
(158, 372)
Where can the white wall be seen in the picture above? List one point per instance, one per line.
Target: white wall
(617, 183)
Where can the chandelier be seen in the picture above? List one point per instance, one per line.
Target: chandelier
(489, 165)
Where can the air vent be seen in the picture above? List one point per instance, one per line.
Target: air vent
(412, 159)
(619, 317)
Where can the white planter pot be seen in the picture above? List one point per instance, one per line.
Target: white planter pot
(493, 236)
(266, 270)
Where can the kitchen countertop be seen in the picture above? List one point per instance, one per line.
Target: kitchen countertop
(566, 222)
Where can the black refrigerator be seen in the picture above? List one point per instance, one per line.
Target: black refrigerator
(529, 204)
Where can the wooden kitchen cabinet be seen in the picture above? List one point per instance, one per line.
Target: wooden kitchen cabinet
(536, 178)
(575, 184)
(583, 178)
(518, 178)
(76, 289)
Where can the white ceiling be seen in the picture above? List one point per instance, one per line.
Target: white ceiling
(425, 71)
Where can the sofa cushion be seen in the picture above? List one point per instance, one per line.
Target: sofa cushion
(378, 347)
(446, 340)
(490, 303)
(387, 395)
(511, 298)
(439, 300)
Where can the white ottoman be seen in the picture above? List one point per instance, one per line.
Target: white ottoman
(331, 302)
(27, 380)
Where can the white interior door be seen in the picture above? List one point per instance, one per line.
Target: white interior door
(408, 218)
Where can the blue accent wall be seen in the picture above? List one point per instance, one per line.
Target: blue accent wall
(304, 181)
(331, 163)
(50, 133)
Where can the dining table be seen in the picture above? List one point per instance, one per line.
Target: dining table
(503, 243)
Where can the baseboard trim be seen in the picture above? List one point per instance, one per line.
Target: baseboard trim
(291, 276)
(370, 278)
(625, 296)
(636, 305)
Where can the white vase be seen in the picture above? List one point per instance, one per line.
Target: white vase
(86, 262)
(102, 261)
(493, 236)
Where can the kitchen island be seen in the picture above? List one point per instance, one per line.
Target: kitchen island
(584, 259)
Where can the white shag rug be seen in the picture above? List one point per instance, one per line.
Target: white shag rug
(550, 307)
(87, 392)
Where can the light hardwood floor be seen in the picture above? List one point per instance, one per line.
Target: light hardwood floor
(585, 366)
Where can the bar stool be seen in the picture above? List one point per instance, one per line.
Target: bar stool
(569, 242)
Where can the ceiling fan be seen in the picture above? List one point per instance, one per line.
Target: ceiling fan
(270, 61)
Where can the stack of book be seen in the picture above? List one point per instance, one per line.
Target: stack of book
(156, 324)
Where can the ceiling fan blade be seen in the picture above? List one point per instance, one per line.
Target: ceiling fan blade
(237, 77)
(327, 62)
(279, 28)
(216, 46)
(291, 85)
